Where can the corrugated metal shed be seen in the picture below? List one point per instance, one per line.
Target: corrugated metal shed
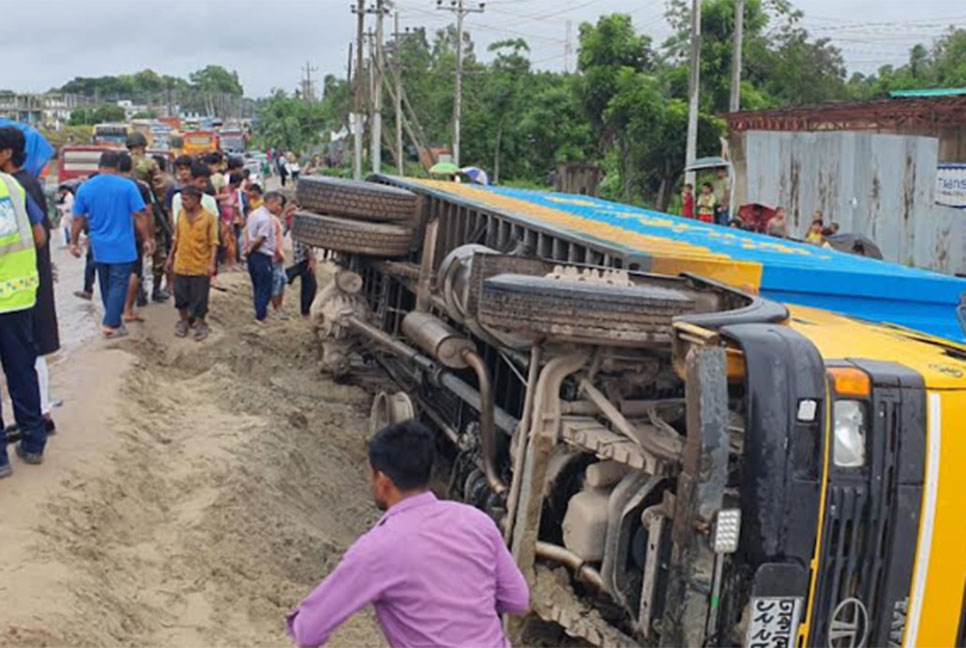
(881, 186)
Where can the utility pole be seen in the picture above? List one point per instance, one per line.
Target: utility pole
(734, 105)
(308, 85)
(694, 80)
(461, 10)
(348, 65)
(378, 71)
(397, 65)
(356, 117)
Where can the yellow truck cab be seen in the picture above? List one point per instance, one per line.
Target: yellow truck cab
(869, 495)
(908, 407)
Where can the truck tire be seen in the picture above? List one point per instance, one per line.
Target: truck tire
(581, 311)
(365, 201)
(343, 235)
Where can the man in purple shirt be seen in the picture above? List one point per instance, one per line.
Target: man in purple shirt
(436, 572)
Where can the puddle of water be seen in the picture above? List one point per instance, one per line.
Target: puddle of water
(76, 318)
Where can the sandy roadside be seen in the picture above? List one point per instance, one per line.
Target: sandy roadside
(194, 492)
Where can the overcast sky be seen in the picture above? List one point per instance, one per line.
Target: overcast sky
(48, 42)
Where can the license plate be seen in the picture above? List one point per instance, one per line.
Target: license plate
(774, 622)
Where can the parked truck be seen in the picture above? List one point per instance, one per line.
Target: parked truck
(673, 461)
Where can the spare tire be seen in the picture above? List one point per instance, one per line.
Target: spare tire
(366, 201)
(590, 312)
(343, 235)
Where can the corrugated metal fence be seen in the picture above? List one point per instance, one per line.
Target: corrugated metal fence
(881, 186)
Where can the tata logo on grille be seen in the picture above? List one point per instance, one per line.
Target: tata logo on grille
(850, 625)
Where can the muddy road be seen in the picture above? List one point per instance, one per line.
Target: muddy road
(194, 492)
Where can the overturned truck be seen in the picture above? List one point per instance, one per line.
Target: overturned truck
(672, 461)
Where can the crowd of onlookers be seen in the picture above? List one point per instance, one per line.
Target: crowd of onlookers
(209, 216)
(712, 205)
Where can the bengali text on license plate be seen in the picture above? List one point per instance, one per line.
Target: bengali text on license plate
(774, 622)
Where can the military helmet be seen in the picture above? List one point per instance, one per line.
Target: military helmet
(136, 139)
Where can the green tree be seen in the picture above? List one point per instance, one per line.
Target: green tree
(98, 115)
(214, 78)
(607, 49)
(292, 124)
(108, 113)
(941, 66)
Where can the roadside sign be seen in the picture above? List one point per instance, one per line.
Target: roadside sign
(951, 185)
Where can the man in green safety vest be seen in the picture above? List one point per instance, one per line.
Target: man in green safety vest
(18, 294)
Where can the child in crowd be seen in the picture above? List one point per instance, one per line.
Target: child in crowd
(230, 206)
(707, 203)
(687, 201)
(193, 259)
(814, 233)
(778, 225)
(279, 278)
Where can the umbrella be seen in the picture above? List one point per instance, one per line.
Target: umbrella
(39, 150)
(444, 168)
(854, 244)
(756, 215)
(476, 174)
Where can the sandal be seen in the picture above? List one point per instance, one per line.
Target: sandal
(133, 318)
(113, 334)
(181, 329)
(201, 332)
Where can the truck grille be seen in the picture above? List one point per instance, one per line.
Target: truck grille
(863, 564)
(850, 568)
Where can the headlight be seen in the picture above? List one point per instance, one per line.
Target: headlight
(850, 424)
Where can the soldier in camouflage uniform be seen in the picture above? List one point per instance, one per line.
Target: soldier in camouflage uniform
(146, 169)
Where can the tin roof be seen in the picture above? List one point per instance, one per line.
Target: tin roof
(917, 109)
(929, 92)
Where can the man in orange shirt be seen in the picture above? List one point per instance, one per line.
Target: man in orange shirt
(193, 259)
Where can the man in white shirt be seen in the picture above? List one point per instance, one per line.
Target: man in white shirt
(261, 242)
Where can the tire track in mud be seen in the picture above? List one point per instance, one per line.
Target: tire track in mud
(238, 480)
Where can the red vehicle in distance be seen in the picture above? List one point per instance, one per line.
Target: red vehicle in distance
(79, 161)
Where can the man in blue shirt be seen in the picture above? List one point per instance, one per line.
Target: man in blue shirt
(111, 206)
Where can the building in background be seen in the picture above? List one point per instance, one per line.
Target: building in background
(892, 169)
(49, 109)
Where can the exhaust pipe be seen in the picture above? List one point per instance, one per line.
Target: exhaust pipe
(487, 428)
(455, 351)
(569, 559)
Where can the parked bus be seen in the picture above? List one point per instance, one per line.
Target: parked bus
(201, 142)
(78, 161)
(111, 133)
(233, 141)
